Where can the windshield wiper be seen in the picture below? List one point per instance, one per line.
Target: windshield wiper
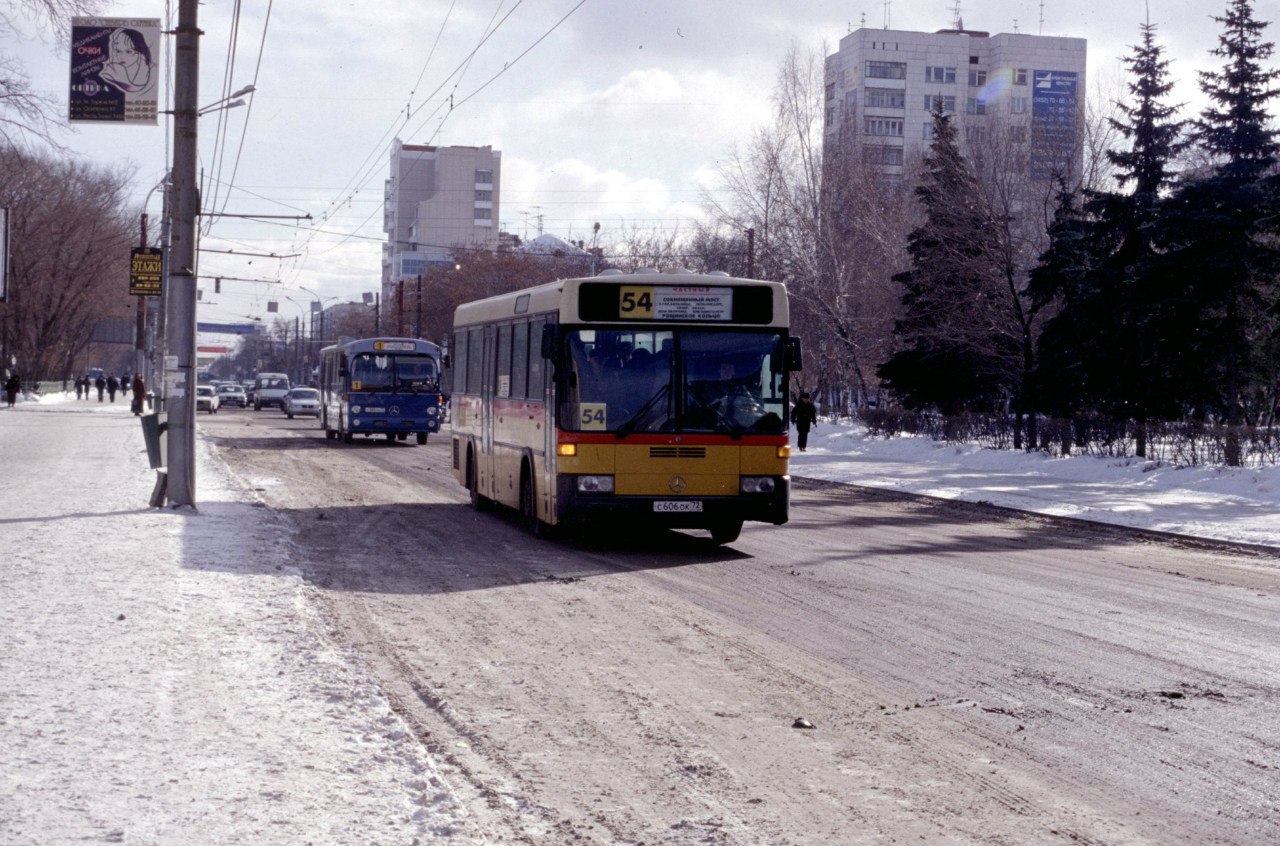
(634, 420)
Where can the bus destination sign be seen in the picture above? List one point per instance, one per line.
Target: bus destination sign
(393, 346)
(644, 302)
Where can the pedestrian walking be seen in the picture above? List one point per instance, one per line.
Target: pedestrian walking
(139, 393)
(79, 386)
(11, 389)
(804, 415)
(101, 385)
(113, 385)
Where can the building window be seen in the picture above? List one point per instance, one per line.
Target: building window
(483, 214)
(977, 78)
(974, 134)
(932, 101)
(484, 196)
(884, 127)
(939, 75)
(876, 154)
(929, 133)
(977, 106)
(831, 90)
(1018, 134)
(887, 70)
(1019, 76)
(1018, 105)
(886, 98)
(484, 177)
(973, 60)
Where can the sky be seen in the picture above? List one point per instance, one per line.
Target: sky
(167, 684)
(604, 111)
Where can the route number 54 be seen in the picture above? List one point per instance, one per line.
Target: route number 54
(635, 303)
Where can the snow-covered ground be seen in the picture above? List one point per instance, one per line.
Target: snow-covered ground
(168, 681)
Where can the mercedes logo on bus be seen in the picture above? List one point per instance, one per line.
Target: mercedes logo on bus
(394, 411)
(678, 484)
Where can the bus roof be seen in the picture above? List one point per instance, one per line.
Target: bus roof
(560, 296)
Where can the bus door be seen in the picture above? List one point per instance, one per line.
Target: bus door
(489, 387)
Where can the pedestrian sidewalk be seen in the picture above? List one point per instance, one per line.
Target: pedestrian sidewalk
(167, 679)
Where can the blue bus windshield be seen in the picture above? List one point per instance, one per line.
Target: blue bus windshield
(402, 372)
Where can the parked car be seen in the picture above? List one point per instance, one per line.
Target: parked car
(206, 399)
(302, 401)
(230, 393)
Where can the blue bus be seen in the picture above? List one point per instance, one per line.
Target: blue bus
(387, 387)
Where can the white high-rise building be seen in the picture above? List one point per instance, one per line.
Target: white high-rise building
(436, 199)
(1025, 92)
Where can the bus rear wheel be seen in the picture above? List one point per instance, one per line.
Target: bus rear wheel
(726, 531)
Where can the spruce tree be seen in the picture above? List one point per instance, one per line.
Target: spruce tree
(1098, 353)
(1221, 256)
(954, 351)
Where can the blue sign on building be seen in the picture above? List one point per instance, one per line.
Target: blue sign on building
(1054, 122)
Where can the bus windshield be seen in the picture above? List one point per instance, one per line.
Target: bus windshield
(399, 372)
(677, 380)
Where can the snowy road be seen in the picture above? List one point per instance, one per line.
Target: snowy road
(365, 659)
(975, 677)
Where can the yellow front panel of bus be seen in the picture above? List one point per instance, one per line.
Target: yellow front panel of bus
(664, 484)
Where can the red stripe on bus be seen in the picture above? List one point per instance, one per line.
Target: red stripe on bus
(670, 439)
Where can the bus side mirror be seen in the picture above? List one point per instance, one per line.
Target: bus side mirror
(795, 360)
(445, 361)
(549, 341)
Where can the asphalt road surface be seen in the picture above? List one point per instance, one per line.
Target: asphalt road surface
(970, 675)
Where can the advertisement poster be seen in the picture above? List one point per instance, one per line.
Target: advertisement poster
(1054, 116)
(146, 272)
(115, 70)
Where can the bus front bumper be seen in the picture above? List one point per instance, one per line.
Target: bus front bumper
(674, 512)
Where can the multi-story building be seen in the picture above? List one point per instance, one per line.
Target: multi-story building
(1022, 95)
(437, 199)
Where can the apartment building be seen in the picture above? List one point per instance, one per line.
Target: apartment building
(1021, 94)
(436, 199)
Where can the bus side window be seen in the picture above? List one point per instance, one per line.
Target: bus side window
(458, 366)
(537, 364)
(475, 360)
(520, 360)
(502, 387)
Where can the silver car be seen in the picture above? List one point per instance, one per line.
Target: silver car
(206, 399)
(305, 401)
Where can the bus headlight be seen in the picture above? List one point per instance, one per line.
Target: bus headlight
(431, 412)
(355, 409)
(758, 484)
(595, 484)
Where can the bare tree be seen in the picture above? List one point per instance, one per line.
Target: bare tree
(69, 257)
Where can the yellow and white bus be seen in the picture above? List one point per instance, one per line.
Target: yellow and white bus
(649, 397)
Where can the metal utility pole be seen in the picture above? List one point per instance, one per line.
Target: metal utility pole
(417, 304)
(180, 323)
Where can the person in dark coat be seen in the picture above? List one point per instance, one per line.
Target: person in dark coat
(101, 385)
(79, 387)
(11, 389)
(804, 415)
(139, 393)
(113, 385)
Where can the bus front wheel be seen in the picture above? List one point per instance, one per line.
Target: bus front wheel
(726, 531)
(529, 508)
(422, 438)
(478, 501)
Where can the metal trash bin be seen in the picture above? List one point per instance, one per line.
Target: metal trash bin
(153, 426)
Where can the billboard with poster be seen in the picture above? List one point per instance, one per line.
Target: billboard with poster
(115, 70)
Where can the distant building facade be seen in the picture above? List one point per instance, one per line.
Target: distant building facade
(437, 198)
(1025, 92)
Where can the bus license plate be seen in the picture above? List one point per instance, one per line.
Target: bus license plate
(677, 506)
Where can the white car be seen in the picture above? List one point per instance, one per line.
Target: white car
(206, 399)
(304, 401)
